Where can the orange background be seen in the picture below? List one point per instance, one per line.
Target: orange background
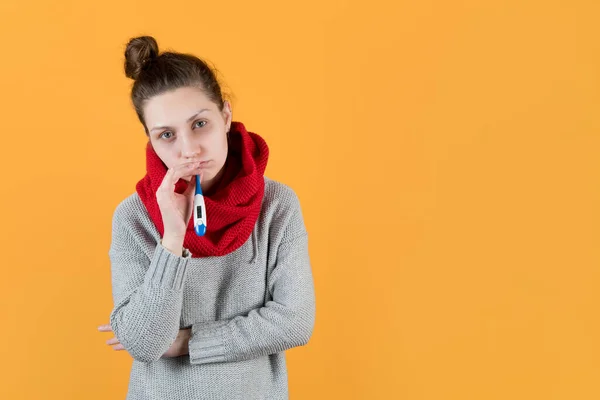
(445, 155)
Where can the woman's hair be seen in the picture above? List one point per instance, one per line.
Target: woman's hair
(155, 74)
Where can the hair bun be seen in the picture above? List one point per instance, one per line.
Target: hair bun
(138, 52)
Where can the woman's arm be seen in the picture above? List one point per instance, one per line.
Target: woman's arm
(284, 322)
(147, 294)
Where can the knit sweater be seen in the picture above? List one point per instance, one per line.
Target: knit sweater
(244, 308)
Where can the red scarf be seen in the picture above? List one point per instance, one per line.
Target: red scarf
(233, 204)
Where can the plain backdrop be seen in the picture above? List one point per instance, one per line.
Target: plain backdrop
(445, 154)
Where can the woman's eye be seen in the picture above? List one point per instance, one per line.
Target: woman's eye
(164, 133)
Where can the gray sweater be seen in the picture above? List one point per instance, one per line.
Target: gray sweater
(245, 308)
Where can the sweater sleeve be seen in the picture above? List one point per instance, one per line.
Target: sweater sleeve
(284, 322)
(147, 294)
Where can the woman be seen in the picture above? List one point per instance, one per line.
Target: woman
(204, 317)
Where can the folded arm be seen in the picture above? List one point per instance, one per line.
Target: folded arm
(284, 322)
(147, 293)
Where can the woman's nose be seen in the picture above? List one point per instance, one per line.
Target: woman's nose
(191, 153)
(190, 149)
(191, 156)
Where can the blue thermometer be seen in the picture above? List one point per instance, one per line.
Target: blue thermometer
(199, 210)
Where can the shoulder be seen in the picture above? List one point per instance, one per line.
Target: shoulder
(280, 195)
(282, 211)
(129, 208)
(131, 215)
(132, 226)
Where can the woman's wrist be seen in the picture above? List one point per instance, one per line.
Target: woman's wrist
(173, 243)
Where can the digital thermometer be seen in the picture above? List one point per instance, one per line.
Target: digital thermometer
(199, 210)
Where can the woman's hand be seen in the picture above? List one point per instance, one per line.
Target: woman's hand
(178, 348)
(113, 342)
(176, 209)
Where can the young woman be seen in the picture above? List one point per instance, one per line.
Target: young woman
(204, 317)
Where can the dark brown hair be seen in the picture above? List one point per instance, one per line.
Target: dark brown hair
(156, 73)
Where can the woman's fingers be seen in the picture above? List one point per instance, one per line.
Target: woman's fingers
(191, 189)
(105, 328)
(177, 172)
(118, 347)
(112, 341)
(115, 344)
(187, 170)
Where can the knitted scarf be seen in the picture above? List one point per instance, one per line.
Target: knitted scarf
(232, 204)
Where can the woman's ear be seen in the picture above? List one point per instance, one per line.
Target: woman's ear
(227, 114)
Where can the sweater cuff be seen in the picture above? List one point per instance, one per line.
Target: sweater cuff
(207, 342)
(167, 270)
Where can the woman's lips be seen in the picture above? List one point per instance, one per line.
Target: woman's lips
(202, 165)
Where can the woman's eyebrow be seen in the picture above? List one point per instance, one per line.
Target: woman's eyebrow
(188, 120)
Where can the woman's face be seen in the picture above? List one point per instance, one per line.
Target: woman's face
(184, 125)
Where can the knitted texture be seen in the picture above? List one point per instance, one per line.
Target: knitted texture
(244, 308)
(232, 205)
